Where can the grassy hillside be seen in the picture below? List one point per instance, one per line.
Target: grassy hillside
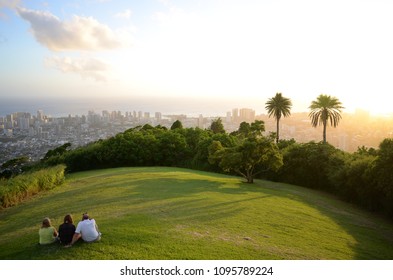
(172, 213)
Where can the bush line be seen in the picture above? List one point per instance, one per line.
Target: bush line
(23, 186)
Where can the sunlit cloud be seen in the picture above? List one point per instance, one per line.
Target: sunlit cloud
(10, 4)
(124, 15)
(79, 33)
(92, 68)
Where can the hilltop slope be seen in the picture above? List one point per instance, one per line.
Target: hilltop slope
(173, 213)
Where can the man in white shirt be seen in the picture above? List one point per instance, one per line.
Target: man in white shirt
(86, 229)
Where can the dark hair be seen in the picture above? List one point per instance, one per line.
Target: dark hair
(85, 216)
(46, 223)
(68, 219)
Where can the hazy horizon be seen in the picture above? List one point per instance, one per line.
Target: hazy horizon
(197, 56)
(192, 107)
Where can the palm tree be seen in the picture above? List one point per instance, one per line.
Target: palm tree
(323, 109)
(278, 106)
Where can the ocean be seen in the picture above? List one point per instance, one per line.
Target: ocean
(62, 107)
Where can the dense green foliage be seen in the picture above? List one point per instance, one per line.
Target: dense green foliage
(176, 125)
(217, 126)
(57, 151)
(250, 157)
(13, 167)
(18, 188)
(310, 165)
(164, 213)
(363, 177)
(145, 146)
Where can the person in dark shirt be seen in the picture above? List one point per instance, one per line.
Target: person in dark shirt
(66, 230)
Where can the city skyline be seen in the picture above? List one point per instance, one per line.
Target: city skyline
(65, 108)
(35, 125)
(214, 51)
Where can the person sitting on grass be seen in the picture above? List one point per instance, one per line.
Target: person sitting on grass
(86, 229)
(48, 234)
(66, 230)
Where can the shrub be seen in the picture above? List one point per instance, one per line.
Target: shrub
(15, 190)
(311, 165)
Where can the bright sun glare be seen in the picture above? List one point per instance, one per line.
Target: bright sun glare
(218, 50)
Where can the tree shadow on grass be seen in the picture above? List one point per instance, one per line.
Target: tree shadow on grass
(357, 223)
(372, 234)
(180, 200)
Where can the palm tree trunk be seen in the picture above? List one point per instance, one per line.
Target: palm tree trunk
(278, 130)
(324, 131)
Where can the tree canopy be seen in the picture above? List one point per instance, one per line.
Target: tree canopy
(217, 126)
(251, 155)
(363, 177)
(325, 108)
(177, 124)
(278, 106)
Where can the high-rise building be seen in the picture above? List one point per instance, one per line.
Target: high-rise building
(228, 118)
(106, 117)
(9, 122)
(201, 121)
(247, 115)
(105, 114)
(40, 115)
(39, 132)
(24, 123)
(235, 114)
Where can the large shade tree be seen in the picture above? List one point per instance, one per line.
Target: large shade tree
(248, 158)
(250, 155)
(278, 106)
(323, 110)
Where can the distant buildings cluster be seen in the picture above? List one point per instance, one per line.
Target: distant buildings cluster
(42, 126)
(24, 134)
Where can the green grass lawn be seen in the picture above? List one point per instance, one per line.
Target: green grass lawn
(174, 214)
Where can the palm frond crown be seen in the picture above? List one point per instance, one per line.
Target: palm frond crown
(325, 108)
(278, 106)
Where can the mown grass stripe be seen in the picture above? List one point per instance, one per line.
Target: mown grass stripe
(173, 213)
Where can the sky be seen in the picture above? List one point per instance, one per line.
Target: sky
(220, 51)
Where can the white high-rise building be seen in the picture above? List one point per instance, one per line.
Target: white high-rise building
(40, 115)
